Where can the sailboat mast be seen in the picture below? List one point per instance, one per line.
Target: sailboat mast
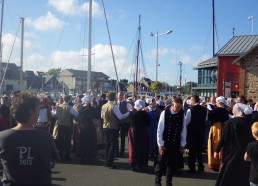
(89, 48)
(118, 86)
(137, 57)
(180, 78)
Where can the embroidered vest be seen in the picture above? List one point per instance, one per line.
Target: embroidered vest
(110, 120)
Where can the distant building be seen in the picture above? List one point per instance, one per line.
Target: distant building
(42, 82)
(143, 86)
(11, 77)
(218, 76)
(76, 81)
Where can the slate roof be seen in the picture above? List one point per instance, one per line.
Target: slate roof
(13, 69)
(236, 61)
(238, 45)
(212, 62)
(29, 73)
(84, 73)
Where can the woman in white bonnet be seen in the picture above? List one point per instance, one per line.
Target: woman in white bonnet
(87, 137)
(233, 142)
(137, 138)
(218, 117)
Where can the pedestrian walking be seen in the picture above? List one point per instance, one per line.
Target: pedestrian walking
(171, 137)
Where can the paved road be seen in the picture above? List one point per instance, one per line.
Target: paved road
(72, 173)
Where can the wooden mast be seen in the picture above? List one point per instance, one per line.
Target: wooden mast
(137, 59)
(89, 49)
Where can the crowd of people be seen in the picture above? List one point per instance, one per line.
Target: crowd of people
(158, 128)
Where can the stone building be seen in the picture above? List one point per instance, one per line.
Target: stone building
(220, 76)
(248, 83)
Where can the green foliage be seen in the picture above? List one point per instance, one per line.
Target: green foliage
(54, 71)
(156, 86)
(188, 87)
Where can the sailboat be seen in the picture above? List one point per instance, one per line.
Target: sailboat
(137, 64)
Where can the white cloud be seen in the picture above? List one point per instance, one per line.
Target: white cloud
(101, 60)
(35, 62)
(72, 7)
(12, 46)
(49, 22)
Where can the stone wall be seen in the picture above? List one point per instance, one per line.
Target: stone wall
(248, 84)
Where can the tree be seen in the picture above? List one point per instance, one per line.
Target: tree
(156, 86)
(188, 87)
(54, 71)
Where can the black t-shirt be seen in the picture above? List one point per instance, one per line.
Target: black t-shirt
(25, 155)
(252, 151)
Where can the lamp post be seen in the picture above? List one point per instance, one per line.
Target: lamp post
(252, 19)
(157, 48)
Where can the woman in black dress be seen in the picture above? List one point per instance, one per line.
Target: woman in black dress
(87, 136)
(137, 138)
(232, 145)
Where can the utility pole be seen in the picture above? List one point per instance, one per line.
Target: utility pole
(89, 49)
(180, 78)
(21, 68)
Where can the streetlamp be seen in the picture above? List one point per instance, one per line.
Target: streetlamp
(157, 48)
(252, 19)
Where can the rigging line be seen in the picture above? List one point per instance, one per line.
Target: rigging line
(143, 63)
(35, 48)
(111, 45)
(206, 41)
(217, 36)
(142, 59)
(60, 39)
(9, 57)
(124, 67)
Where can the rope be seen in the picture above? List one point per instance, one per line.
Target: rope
(9, 57)
(59, 42)
(111, 45)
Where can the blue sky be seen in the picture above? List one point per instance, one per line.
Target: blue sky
(56, 34)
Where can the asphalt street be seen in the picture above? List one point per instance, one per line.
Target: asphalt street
(73, 173)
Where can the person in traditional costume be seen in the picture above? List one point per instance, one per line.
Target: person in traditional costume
(63, 127)
(76, 128)
(196, 117)
(154, 113)
(87, 137)
(138, 147)
(111, 115)
(232, 144)
(43, 122)
(171, 137)
(210, 107)
(218, 117)
(123, 124)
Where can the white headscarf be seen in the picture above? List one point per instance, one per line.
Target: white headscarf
(86, 99)
(242, 109)
(221, 99)
(138, 105)
(148, 100)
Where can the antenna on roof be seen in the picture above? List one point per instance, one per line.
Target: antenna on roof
(234, 31)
